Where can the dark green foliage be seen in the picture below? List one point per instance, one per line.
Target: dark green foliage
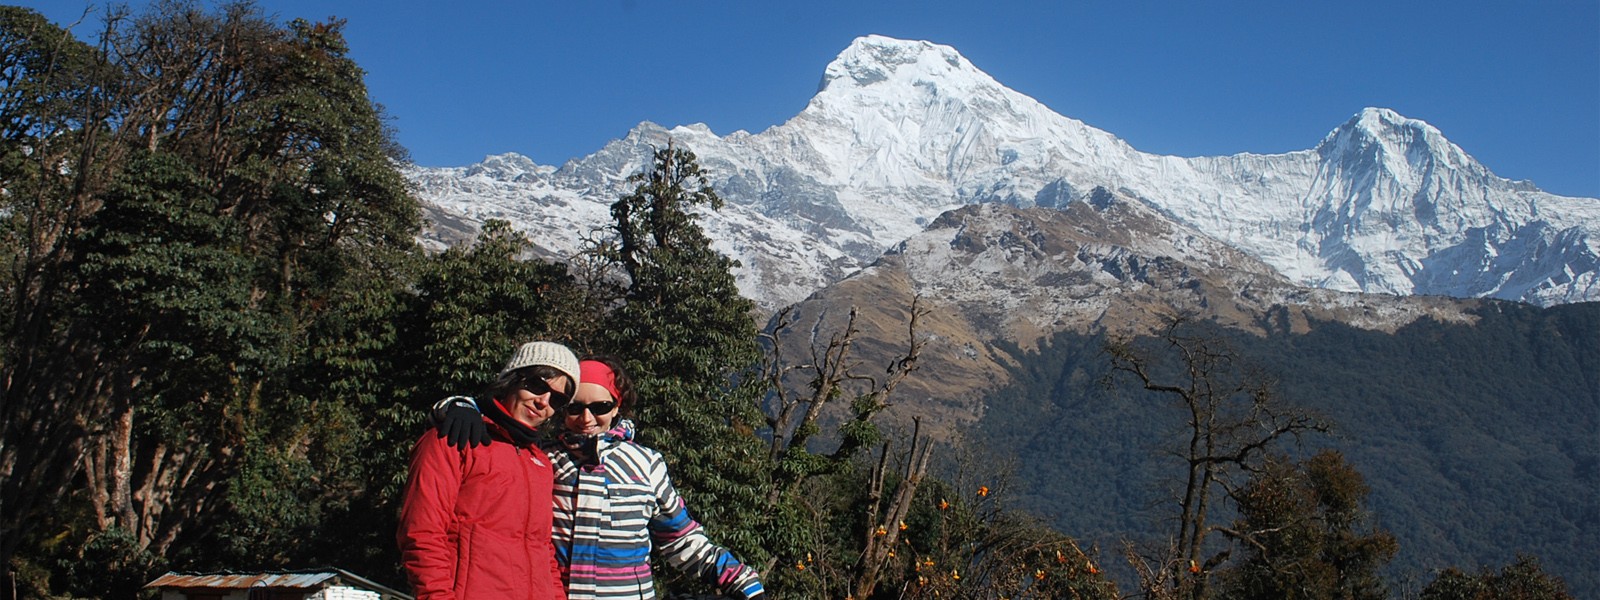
(1497, 431)
(474, 305)
(167, 281)
(1301, 533)
(206, 242)
(46, 77)
(1521, 580)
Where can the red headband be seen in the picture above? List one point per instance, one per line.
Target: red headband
(596, 372)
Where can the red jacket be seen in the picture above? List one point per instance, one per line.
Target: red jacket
(476, 522)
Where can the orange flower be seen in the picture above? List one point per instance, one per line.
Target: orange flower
(983, 491)
(902, 526)
(1093, 570)
(882, 531)
(891, 554)
(1039, 574)
(799, 566)
(944, 504)
(956, 575)
(1193, 568)
(1061, 558)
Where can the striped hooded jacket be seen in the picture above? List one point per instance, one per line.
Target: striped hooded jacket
(608, 516)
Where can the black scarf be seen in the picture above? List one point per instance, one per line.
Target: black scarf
(521, 434)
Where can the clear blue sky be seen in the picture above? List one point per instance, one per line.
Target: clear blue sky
(1515, 84)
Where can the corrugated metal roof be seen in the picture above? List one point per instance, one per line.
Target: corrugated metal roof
(303, 579)
(296, 581)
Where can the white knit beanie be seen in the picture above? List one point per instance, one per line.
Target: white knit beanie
(549, 354)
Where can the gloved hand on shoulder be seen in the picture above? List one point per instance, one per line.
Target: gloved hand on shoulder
(585, 449)
(458, 421)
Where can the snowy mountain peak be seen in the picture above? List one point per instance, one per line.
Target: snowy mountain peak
(874, 59)
(1385, 135)
(508, 167)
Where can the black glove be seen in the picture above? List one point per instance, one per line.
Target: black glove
(458, 420)
(585, 449)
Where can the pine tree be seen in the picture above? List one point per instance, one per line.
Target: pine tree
(691, 340)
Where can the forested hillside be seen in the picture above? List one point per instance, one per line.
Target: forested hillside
(1479, 442)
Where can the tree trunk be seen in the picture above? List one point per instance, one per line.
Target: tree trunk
(879, 545)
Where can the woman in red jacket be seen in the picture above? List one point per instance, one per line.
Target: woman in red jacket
(476, 520)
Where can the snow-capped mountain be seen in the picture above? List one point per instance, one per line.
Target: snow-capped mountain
(900, 132)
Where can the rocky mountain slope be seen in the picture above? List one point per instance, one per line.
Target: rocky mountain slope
(993, 273)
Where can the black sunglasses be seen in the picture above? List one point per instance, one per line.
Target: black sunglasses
(595, 408)
(537, 386)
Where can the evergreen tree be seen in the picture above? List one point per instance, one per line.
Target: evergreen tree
(691, 340)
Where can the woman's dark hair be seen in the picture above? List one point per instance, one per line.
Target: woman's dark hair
(525, 378)
(627, 394)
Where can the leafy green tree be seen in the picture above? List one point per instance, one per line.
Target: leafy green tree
(465, 309)
(53, 105)
(1301, 531)
(207, 239)
(474, 305)
(1521, 580)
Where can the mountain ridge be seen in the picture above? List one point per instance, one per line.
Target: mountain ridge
(993, 274)
(902, 131)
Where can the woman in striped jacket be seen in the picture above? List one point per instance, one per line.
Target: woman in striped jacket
(614, 502)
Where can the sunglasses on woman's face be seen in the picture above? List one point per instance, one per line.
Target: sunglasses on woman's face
(595, 408)
(537, 386)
